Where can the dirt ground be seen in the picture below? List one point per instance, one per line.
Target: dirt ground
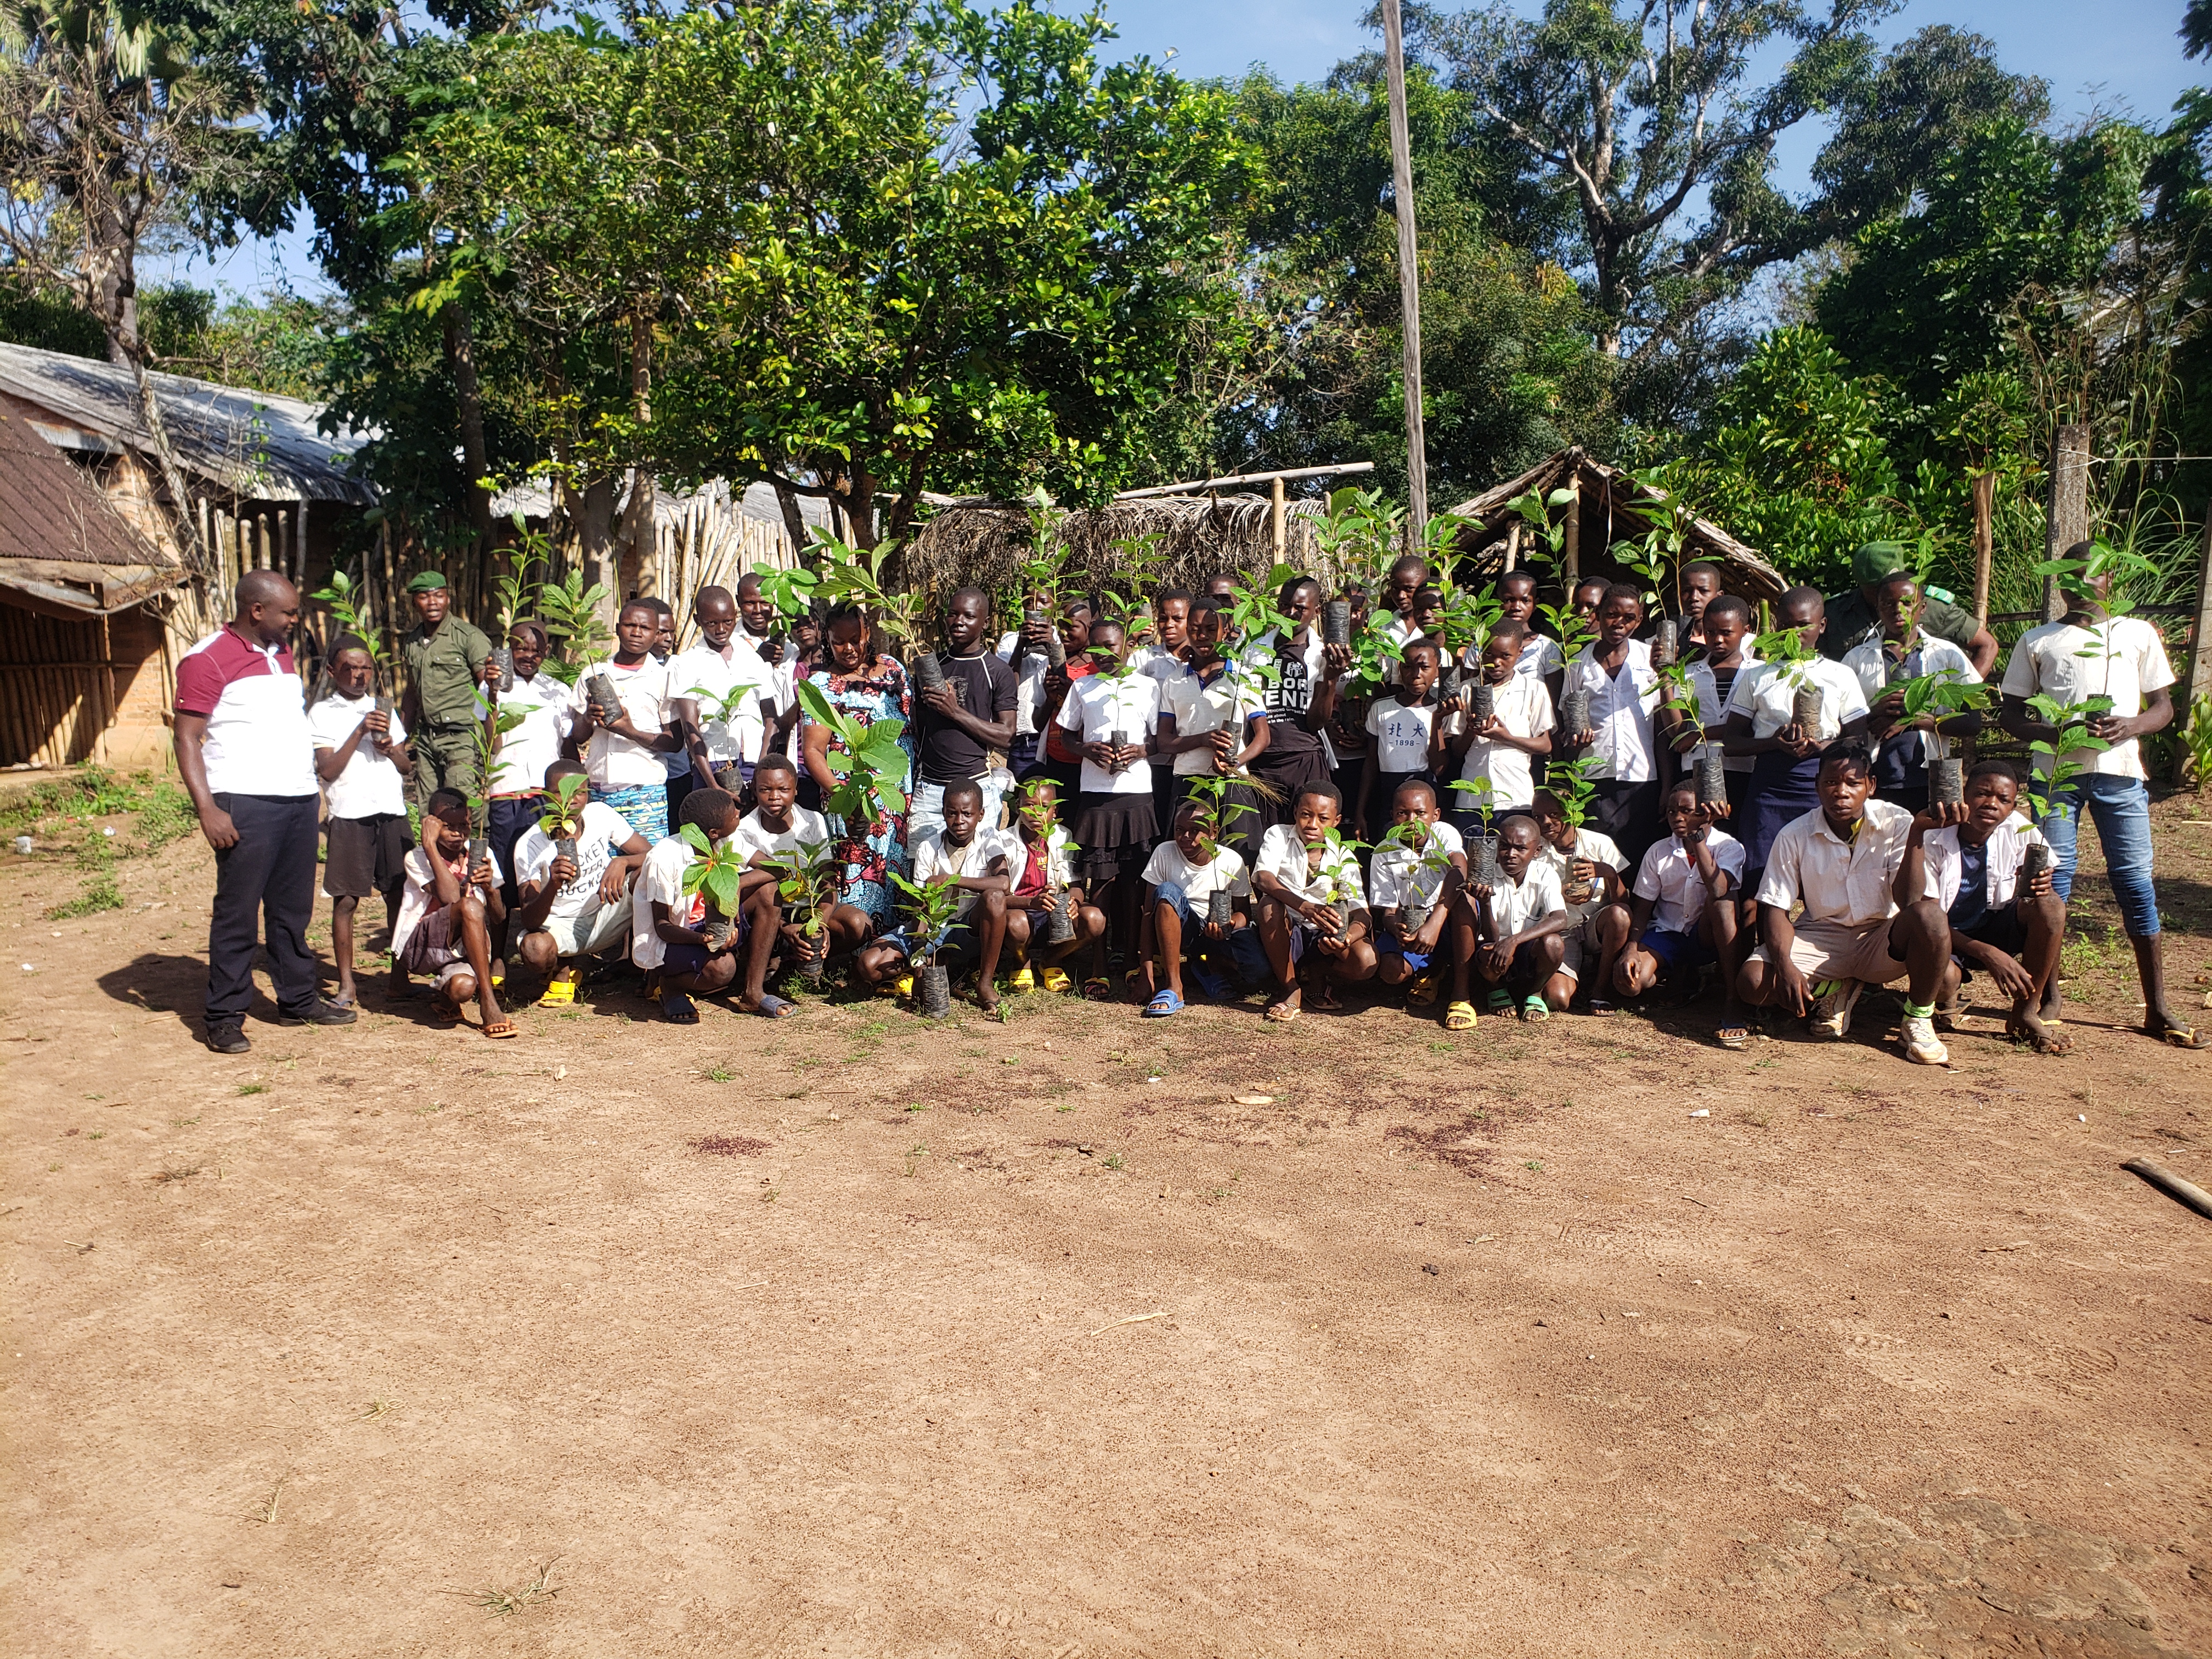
(850, 1336)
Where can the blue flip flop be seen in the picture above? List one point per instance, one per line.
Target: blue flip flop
(774, 1007)
(1210, 986)
(1164, 1004)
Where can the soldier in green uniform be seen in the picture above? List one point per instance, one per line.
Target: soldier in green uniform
(1854, 615)
(446, 660)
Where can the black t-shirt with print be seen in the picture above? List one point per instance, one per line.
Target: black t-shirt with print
(987, 688)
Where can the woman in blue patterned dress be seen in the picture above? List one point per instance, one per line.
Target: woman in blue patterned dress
(864, 687)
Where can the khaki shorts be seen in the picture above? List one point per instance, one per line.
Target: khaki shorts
(590, 931)
(1828, 950)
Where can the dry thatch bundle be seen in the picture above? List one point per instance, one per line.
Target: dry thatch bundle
(985, 543)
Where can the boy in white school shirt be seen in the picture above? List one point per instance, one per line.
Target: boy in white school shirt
(1864, 921)
(2003, 921)
(361, 758)
(1415, 878)
(623, 752)
(1401, 742)
(1313, 906)
(1501, 756)
(2090, 653)
(984, 864)
(1682, 915)
(1615, 669)
(1513, 931)
(1114, 822)
(575, 897)
(1898, 650)
(1181, 879)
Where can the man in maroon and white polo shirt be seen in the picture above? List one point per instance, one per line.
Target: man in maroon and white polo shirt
(248, 762)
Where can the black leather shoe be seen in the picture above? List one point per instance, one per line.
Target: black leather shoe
(322, 1013)
(227, 1040)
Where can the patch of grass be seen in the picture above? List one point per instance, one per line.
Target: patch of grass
(503, 1604)
(1114, 1160)
(375, 1409)
(1535, 1164)
(183, 1122)
(1754, 1116)
(915, 1106)
(729, 1146)
(176, 1172)
(253, 1088)
(97, 1134)
(718, 1072)
(100, 893)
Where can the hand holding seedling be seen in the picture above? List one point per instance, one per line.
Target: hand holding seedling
(480, 874)
(563, 871)
(942, 698)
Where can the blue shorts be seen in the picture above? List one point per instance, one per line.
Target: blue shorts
(1677, 952)
(1246, 953)
(1417, 961)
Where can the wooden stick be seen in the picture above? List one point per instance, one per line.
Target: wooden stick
(1409, 275)
(1985, 495)
(2068, 520)
(2182, 1191)
(1192, 486)
(1135, 1319)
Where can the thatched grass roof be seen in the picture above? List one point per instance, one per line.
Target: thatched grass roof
(986, 543)
(1613, 507)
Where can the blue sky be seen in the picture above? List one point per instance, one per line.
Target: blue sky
(2121, 58)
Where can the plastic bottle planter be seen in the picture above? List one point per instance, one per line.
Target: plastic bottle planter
(928, 672)
(2037, 860)
(1034, 619)
(1666, 643)
(1805, 710)
(503, 659)
(1713, 779)
(811, 968)
(1484, 848)
(1414, 913)
(1946, 782)
(932, 991)
(1059, 919)
(382, 703)
(606, 701)
(1336, 622)
(1220, 908)
(1574, 713)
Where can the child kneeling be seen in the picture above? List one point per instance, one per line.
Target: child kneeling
(1188, 883)
(447, 916)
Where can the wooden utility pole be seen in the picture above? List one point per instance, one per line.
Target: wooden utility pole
(1985, 496)
(1409, 276)
(2067, 521)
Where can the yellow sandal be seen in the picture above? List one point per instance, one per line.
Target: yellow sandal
(1460, 1017)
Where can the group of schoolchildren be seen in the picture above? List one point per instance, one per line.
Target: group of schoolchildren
(1164, 807)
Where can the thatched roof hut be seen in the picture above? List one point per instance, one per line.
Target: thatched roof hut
(985, 543)
(1609, 507)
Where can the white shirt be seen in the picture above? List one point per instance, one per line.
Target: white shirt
(1099, 705)
(1400, 734)
(755, 840)
(1401, 875)
(600, 838)
(1199, 882)
(1669, 878)
(1400, 631)
(1620, 709)
(1283, 856)
(2121, 658)
(1712, 709)
(935, 856)
(616, 762)
(519, 768)
(662, 880)
(1540, 657)
(2007, 846)
(1867, 660)
(1594, 846)
(1030, 668)
(257, 741)
(371, 783)
(704, 673)
(1846, 883)
(1514, 906)
(422, 894)
(1524, 707)
(1767, 691)
(1200, 706)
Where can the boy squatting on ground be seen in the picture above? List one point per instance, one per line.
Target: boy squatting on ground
(1855, 863)
(1313, 906)
(575, 904)
(1512, 932)
(1416, 878)
(1180, 880)
(1589, 868)
(1683, 913)
(979, 862)
(776, 834)
(1048, 872)
(362, 758)
(446, 918)
(684, 948)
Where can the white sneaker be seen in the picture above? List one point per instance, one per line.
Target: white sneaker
(1832, 1005)
(1921, 1046)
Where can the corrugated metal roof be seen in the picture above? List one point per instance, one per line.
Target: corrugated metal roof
(252, 444)
(60, 541)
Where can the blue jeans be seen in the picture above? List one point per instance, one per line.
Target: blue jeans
(2120, 807)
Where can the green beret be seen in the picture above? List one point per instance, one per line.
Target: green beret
(429, 581)
(1876, 560)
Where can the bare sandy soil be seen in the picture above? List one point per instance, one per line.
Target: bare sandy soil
(850, 1336)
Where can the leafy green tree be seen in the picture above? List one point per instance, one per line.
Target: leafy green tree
(2011, 218)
